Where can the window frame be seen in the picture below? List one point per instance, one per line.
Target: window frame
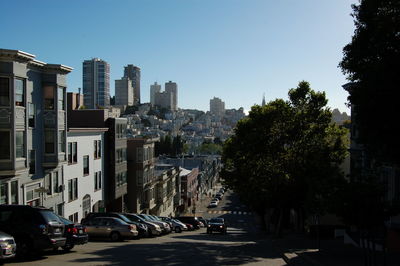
(4, 148)
(86, 168)
(8, 100)
(31, 115)
(47, 144)
(21, 145)
(47, 101)
(22, 93)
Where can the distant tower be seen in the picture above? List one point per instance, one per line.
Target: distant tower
(217, 106)
(172, 89)
(96, 83)
(263, 100)
(154, 89)
(133, 73)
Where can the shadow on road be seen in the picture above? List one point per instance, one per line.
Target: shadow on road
(183, 253)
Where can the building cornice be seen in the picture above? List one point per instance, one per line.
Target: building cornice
(24, 57)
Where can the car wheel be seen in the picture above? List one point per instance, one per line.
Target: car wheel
(178, 229)
(115, 236)
(24, 247)
(68, 247)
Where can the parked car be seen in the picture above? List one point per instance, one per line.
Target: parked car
(154, 229)
(213, 204)
(7, 246)
(33, 228)
(110, 227)
(216, 224)
(141, 229)
(74, 233)
(177, 226)
(163, 225)
(218, 196)
(190, 220)
(204, 221)
(189, 227)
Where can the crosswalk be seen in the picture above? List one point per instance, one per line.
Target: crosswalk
(229, 212)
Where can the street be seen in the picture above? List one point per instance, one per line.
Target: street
(242, 245)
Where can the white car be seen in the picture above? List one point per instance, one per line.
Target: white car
(212, 204)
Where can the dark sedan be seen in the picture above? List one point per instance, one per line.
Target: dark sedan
(216, 225)
(74, 233)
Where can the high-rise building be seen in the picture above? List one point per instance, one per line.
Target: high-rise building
(96, 83)
(154, 89)
(172, 89)
(217, 106)
(124, 92)
(133, 73)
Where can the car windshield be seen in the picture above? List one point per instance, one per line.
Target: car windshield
(123, 218)
(217, 221)
(65, 221)
(50, 216)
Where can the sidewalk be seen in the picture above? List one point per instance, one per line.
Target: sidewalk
(299, 249)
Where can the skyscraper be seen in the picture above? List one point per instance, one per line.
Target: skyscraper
(172, 89)
(96, 83)
(124, 92)
(217, 106)
(133, 73)
(154, 89)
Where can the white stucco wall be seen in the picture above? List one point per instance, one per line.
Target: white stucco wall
(85, 142)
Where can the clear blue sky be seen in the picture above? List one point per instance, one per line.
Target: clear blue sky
(232, 49)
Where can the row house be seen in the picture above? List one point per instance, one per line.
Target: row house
(115, 149)
(141, 177)
(32, 130)
(83, 175)
(165, 191)
(189, 186)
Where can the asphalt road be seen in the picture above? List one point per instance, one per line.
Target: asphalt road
(243, 245)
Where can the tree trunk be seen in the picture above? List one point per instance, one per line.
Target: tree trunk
(278, 232)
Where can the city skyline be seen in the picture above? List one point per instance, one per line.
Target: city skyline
(233, 50)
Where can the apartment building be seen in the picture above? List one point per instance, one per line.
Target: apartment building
(32, 130)
(84, 173)
(141, 176)
(115, 152)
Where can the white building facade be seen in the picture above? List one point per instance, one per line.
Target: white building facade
(83, 175)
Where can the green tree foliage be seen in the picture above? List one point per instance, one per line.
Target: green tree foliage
(210, 149)
(286, 154)
(372, 62)
(169, 146)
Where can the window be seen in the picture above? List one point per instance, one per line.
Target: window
(60, 209)
(97, 149)
(3, 193)
(19, 92)
(20, 144)
(47, 183)
(14, 192)
(75, 217)
(120, 179)
(4, 145)
(32, 162)
(72, 152)
(72, 189)
(4, 91)
(49, 141)
(61, 98)
(86, 165)
(97, 181)
(55, 183)
(61, 141)
(48, 97)
(31, 115)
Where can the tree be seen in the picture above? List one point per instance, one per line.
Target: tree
(371, 62)
(286, 155)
